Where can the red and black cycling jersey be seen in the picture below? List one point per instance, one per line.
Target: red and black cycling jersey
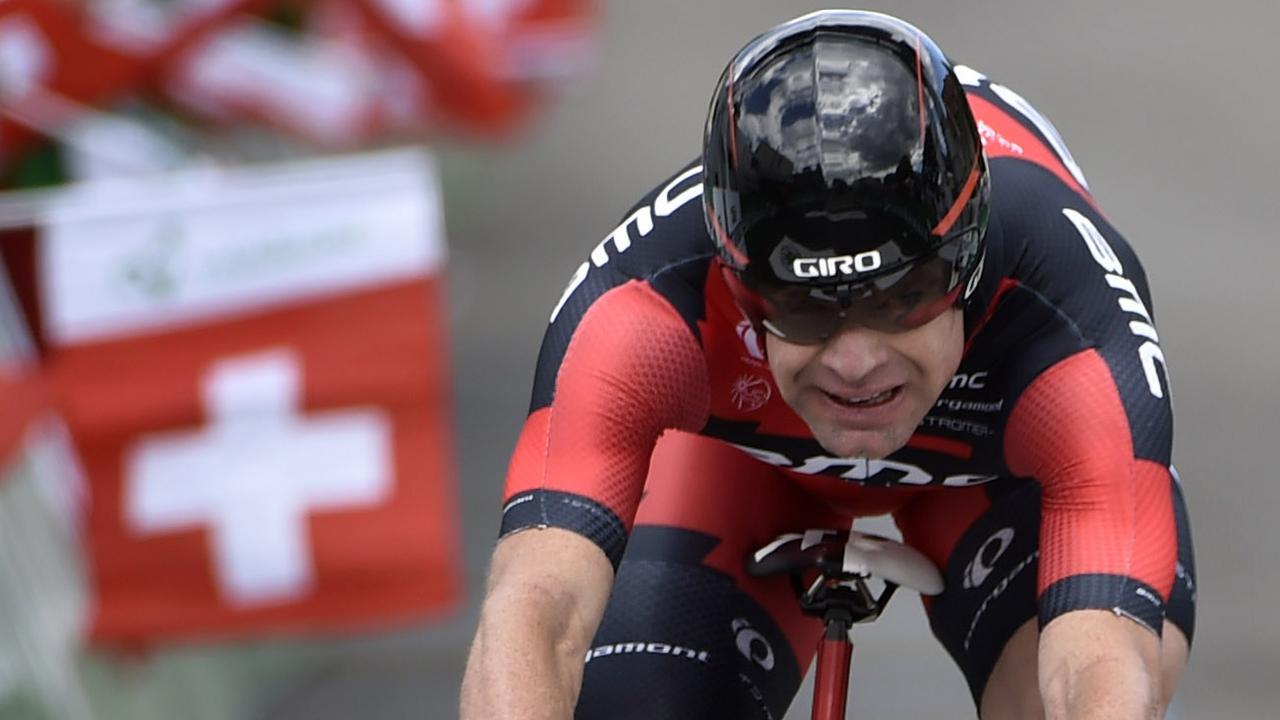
(1062, 381)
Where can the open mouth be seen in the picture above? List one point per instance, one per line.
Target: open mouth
(879, 398)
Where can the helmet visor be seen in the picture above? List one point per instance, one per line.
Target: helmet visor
(901, 300)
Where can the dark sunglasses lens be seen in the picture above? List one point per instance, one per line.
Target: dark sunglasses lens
(895, 303)
(804, 329)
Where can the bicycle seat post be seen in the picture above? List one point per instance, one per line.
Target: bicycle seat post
(840, 605)
(835, 653)
(844, 561)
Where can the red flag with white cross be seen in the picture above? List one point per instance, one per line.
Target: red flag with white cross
(254, 367)
(23, 395)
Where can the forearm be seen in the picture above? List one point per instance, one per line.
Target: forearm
(522, 665)
(546, 594)
(1106, 688)
(1105, 667)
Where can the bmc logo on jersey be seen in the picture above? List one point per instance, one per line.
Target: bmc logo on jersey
(883, 472)
(1128, 299)
(678, 193)
(968, 381)
(837, 266)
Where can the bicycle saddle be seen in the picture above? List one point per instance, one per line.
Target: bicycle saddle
(847, 554)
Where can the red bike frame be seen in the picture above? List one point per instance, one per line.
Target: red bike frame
(831, 678)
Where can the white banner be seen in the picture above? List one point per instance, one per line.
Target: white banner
(122, 256)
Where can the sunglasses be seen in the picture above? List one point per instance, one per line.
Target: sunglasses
(893, 303)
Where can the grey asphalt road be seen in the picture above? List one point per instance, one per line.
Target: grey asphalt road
(1170, 107)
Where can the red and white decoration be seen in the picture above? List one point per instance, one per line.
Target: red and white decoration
(24, 398)
(253, 365)
(351, 72)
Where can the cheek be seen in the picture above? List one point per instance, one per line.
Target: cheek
(785, 360)
(944, 347)
(934, 351)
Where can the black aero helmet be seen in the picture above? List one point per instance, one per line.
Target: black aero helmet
(844, 176)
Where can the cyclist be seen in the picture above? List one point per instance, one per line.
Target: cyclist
(896, 296)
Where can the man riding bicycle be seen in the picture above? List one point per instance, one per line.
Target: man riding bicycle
(884, 289)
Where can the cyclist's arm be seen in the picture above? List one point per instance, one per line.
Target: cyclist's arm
(631, 370)
(547, 592)
(1108, 543)
(1095, 664)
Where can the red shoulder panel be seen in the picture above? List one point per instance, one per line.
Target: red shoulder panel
(1103, 510)
(632, 371)
(1003, 136)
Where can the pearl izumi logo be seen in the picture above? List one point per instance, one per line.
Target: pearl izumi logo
(984, 561)
(752, 644)
(837, 266)
(995, 594)
(751, 341)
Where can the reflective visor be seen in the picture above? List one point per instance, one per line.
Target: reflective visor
(898, 301)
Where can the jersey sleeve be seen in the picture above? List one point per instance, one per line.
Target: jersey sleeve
(1094, 425)
(1108, 536)
(631, 370)
(1093, 422)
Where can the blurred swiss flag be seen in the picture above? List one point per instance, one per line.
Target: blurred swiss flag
(49, 67)
(253, 365)
(24, 398)
(336, 73)
(360, 69)
(23, 394)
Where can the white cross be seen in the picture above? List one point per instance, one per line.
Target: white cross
(253, 474)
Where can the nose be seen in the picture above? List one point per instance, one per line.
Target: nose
(853, 353)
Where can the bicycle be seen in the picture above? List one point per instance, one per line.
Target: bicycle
(845, 560)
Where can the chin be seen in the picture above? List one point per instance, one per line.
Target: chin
(869, 444)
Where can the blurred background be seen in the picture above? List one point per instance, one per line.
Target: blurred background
(322, 239)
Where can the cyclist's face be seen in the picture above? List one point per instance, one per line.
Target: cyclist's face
(863, 392)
